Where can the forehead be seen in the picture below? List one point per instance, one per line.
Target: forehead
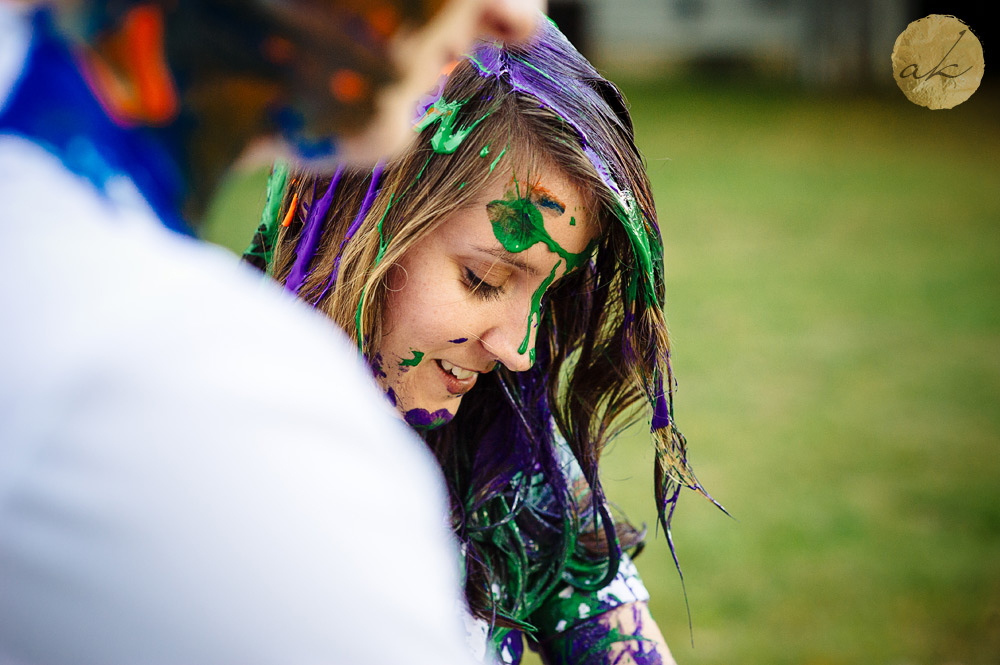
(545, 198)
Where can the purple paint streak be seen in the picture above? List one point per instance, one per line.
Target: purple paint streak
(311, 234)
(595, 642)
(366, 205)
(460, 340)
(376, 367)
(661, 409)
(423, 420)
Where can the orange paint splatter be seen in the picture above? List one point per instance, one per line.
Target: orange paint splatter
(287, 221)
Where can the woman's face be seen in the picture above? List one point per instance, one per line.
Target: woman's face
(468, 295)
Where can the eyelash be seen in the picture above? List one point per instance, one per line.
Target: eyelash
(480, 288)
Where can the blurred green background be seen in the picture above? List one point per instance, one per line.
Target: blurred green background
(833, 265)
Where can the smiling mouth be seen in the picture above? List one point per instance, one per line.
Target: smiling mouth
(457, 380)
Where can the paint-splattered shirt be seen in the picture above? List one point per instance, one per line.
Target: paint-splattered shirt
(568, 610)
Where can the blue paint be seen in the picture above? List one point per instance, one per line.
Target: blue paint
(551, 204)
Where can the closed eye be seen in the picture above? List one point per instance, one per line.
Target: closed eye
(481, 288)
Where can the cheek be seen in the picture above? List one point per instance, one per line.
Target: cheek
(422, 307)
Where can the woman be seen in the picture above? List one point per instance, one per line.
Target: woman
(504, 280)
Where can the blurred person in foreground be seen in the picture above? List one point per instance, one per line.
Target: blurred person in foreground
(165, 497)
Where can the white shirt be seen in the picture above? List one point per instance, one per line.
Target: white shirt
(194, 468)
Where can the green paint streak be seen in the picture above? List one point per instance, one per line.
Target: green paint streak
(485, 151)
(422, 169)
(434, 424)
(382, 244)
(414, 361)
(461, 186)
(497, 160)
(478, 64)
(635, 229)
(414, 181)
(269, 225)
(447, 138)
(518, 225)
(536, 310)
(543, 73)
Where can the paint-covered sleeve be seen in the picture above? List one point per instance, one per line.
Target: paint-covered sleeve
(611, 625)
(625, 634)
(571, 606)
(580, 626)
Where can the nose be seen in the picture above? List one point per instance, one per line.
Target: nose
(510, 20)
(506, 340)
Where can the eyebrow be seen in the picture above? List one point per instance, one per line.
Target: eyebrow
(509, 258)
(545, 199)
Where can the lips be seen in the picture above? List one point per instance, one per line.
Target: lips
(457, 380)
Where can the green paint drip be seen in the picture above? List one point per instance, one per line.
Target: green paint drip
(383, 242)
(263, 242)
(447, 138)
(518, 225)
(414, 361)
(485, 151)
(635, 228)
(422, 169)
(497, 160)
(536, 310)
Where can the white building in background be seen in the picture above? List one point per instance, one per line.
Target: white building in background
(818, 41)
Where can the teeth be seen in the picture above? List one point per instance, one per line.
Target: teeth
(457, 372)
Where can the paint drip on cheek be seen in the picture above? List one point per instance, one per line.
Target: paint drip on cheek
(423, 420)
(414, 361)
(518, 225)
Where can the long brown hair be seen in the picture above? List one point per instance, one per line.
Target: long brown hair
(602, 346)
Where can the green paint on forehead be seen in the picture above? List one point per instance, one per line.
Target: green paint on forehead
(518, 224)
(448, 137)
(414, 361)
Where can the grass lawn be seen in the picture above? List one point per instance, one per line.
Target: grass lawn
(834, 297)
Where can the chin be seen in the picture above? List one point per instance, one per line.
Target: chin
(423, 420)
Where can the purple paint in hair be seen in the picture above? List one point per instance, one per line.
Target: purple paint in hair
(311, 234)
(661, 409)
(366, 205)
